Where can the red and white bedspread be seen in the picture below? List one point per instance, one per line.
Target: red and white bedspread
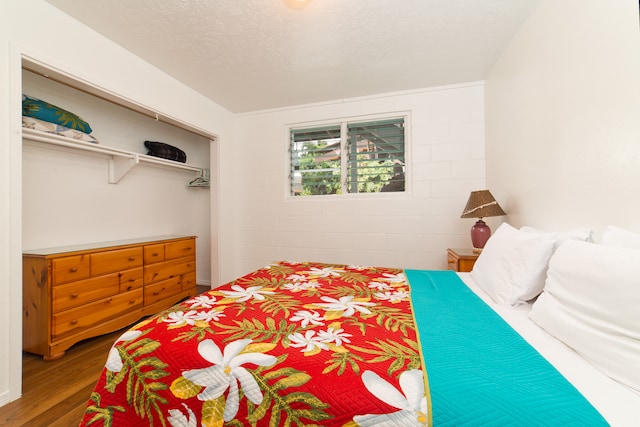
(290, 344)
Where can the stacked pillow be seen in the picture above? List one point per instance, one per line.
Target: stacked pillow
(43, 116)
(513, 265)
(591, 302)
(42, 110)
(44, 126)
(589, 294)
(616, 236)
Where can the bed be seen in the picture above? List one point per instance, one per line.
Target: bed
(311, 344)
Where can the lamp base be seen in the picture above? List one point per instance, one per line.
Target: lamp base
(480, 233)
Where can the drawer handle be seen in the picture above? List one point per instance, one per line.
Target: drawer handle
(129, 288)
(132, 301)
(73, 269)
(74, 296)
(132, 258)
(74, 322)
(132, 280)
(156, 293)
(155, 254)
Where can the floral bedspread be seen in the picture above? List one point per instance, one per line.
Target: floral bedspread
(291, 344)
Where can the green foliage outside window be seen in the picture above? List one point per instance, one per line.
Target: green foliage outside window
(325, 178)
(369, 153)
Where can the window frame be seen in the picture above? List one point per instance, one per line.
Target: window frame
(343, 123)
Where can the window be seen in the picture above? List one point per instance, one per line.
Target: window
(365, 156)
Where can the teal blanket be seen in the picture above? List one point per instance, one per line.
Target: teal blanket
(480, 371)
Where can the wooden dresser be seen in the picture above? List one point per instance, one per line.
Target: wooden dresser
(74, 293)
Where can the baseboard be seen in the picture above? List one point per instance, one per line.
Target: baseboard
(4, 398)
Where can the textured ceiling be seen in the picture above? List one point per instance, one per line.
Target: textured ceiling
(256, 54)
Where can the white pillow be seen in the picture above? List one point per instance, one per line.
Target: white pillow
(561, 236)
(513, 265)
(616, 236)
(591, 302)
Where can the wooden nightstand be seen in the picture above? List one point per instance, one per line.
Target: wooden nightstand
(461, 259)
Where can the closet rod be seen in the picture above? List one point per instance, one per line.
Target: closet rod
(173, 164)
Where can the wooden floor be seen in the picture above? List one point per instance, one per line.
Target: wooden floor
(54, 394)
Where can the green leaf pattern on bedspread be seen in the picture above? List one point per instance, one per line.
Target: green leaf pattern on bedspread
(142, 374)
(354, 320)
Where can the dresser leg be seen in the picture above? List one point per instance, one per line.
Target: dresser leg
(53, 356)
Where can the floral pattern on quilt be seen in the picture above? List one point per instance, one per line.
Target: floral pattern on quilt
(292, 344)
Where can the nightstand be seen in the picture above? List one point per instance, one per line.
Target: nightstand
(461, 260)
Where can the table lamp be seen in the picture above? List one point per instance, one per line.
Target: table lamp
(481, 204)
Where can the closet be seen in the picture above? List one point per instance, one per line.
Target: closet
(80, 193)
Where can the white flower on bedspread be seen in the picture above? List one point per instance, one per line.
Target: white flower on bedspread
(297, 277)
(336, 335)
(346, 305)
(395, 278)
(180, 318)
(310, 342)
(306, 317)
(178, 419)
(202, 301)
(114, 361)
(381, 286)
(397, 296)
(243, 294)
(301, 286)
(325, 272)
(211, 315)
(295, 286)
(412, 402)
(225, 373)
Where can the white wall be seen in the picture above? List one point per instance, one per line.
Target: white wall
(412, 231)
(563, 117)
(35, 28)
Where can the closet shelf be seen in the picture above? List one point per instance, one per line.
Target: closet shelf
(120, 161)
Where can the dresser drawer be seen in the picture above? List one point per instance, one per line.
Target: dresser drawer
(461, 260)
(131, 279)
(180, 249)
(153, 253)
(112, 261)
(168, 269)
(88, 315)
(70, 268)
(189, 281)
(161, 290)
(74, 294)
(452, 262)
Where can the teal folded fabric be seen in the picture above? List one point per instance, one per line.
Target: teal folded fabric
(33, 107)
(480, 371)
